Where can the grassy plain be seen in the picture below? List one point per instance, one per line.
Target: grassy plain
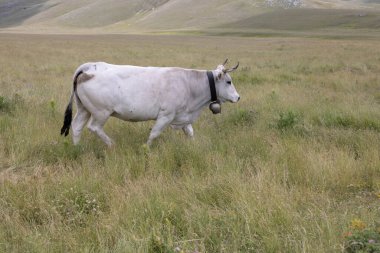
(287, 169)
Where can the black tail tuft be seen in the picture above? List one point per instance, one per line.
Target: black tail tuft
(67, 121)
(69, 110)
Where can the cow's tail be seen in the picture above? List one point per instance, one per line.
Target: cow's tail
(69, 109)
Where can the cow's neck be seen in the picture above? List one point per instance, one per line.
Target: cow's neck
(201, 95)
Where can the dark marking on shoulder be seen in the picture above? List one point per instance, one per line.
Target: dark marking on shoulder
(83, 77)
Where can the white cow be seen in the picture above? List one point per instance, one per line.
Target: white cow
(171, 96)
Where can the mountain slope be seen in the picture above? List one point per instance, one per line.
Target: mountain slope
(309, 19)
(159, 15)
(177, 14)
(92, 13)
(13, 13)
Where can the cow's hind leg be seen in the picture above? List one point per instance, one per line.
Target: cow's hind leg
(161, 123)
(79, 122)
(188, 130)
(95, 125)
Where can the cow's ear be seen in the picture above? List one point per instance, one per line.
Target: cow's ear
(219, 75)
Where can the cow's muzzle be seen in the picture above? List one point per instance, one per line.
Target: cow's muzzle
(235, 99)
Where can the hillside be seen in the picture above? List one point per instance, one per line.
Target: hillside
(310, 19)
(82, 13)
(161, 15)
(13, 13)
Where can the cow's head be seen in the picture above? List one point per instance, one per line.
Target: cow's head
(225, 89)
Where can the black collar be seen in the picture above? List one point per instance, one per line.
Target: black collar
(211, 82)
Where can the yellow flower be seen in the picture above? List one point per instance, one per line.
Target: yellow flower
(358, 224)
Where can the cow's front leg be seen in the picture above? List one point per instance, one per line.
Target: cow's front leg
(161, 123)
(188, 130)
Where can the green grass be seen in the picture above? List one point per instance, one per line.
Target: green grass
(287, 169)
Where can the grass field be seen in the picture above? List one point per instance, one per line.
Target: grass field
(293, 167)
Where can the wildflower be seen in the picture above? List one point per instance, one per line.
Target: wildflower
(358, 224)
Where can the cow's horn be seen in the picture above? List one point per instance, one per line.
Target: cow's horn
(225, 62)
(232, 69)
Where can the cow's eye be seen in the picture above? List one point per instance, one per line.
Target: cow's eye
(229, 82)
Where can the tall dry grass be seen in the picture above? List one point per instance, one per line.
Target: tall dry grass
(285, 170)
